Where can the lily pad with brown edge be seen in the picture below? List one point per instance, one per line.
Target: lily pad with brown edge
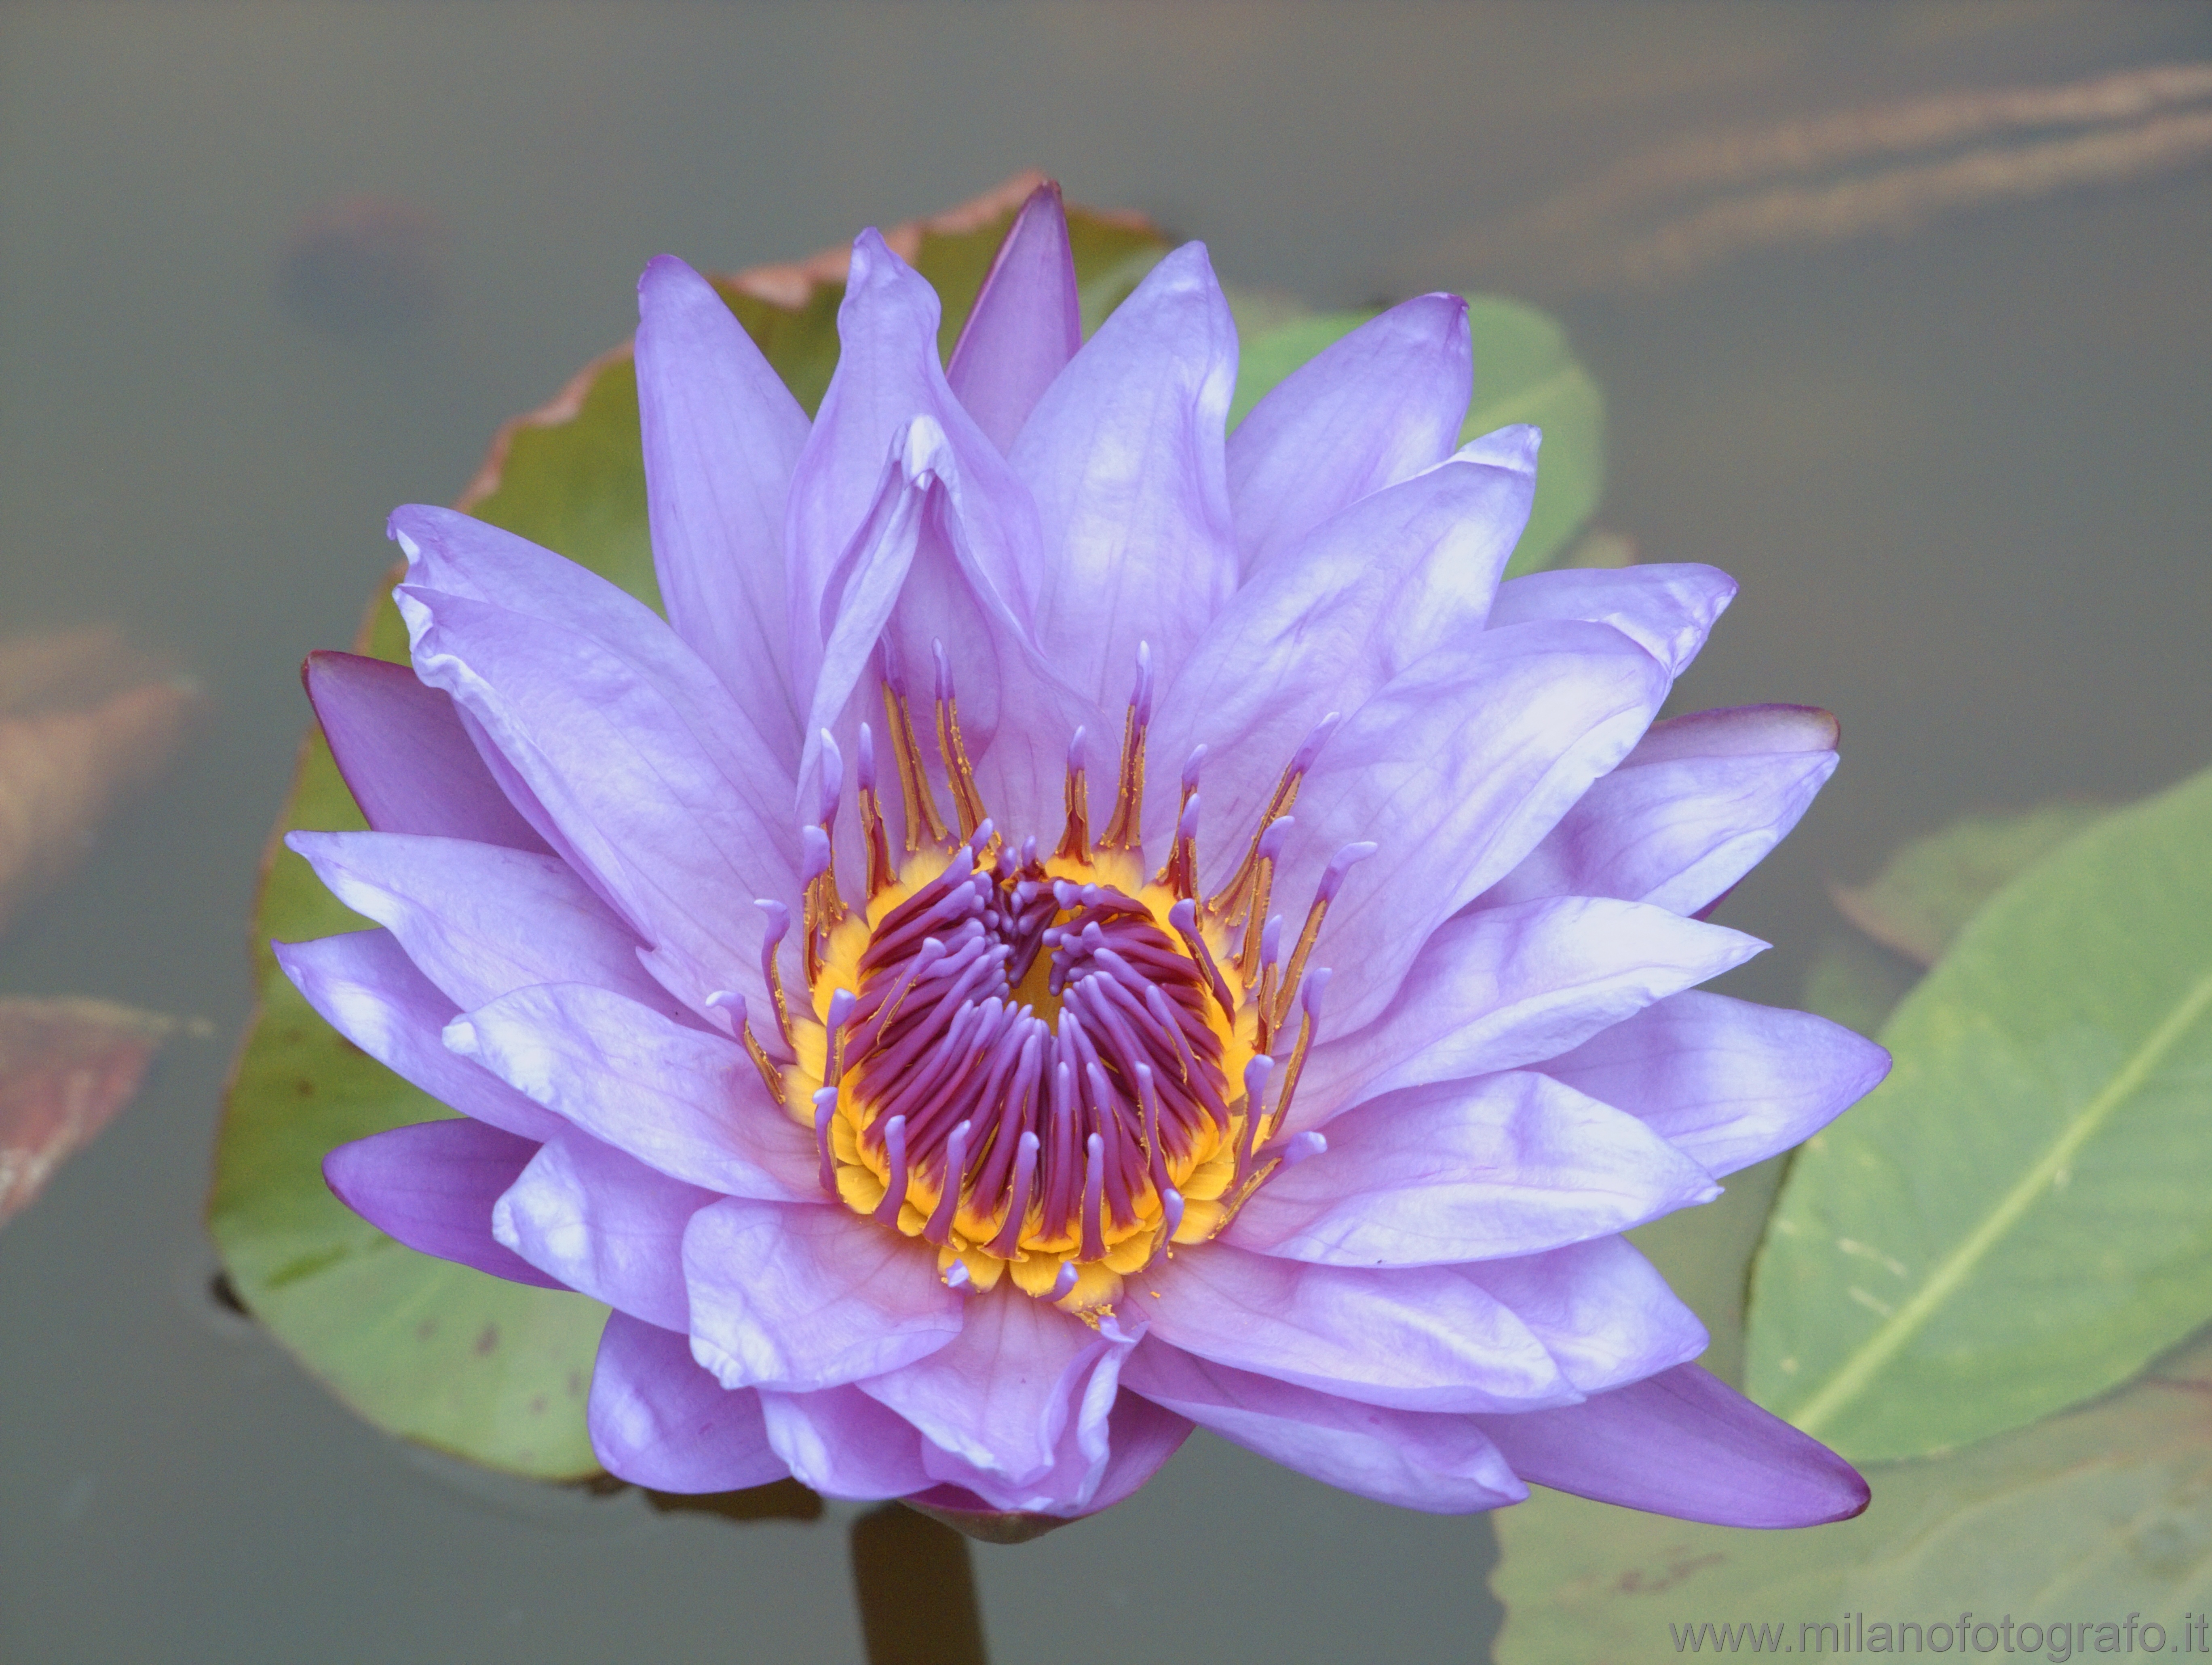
(493, 1372)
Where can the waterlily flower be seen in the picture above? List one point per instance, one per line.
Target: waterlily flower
(1077, 925)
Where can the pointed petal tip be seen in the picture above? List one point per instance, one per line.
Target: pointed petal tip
(1515, 447)
(664, 272)
(874, 261)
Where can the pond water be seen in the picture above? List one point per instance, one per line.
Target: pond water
(267, 269)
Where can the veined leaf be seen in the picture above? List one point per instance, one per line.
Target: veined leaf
(2089, 1516)
(1925, 892)
(2016, 1219)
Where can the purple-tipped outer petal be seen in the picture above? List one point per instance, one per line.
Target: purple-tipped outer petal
(686, 1102)
(369, 991)
(1465, 1170)
(1666, 610)
(432, 1186)
(1420, 1338)
(406, 759)
(1683, 1443)
(1727, 1083)
(999, 1395)
(1443, 1465)
(844, 1444)
(1507, 987)
(605, 1224)
(721, 437)
(1696, 806)
(659, 1420)
(1026, 325)
(799, 1298)
(1365, 412)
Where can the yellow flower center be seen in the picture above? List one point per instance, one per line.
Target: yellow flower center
(1052, 1067)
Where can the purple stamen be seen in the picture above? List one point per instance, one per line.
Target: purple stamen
(813, 854)
(887, 1211)
(841, 1001)
(825, 1106)
(1316, 739)
(1018, 1208)
(1094, 1197)
(833, 776)
(948, 1199)
(1332, 878)
(1256, 1091)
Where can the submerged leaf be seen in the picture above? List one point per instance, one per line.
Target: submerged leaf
(2015, 1220)
(66, 1066)
(82, 721)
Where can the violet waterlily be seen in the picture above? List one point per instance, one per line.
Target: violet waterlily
(1077, 926)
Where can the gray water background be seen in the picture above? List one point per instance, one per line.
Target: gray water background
(1959, 473)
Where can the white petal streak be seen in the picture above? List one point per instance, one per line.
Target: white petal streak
(686, 1102)
(794, 1300)
(1466, 1171)
(1456, 769)
(1696, 806)
(1332, 620)
(679, 831)
(1423, 1339)
(1442, 1464)
(1499, 988)
(480, 919)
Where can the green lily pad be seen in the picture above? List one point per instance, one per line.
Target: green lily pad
(1925, 892)
(2088, 1518)
(2015, 1220)
(1524, 372)
(488, 1370)
(1855, 983)
(1921, 899)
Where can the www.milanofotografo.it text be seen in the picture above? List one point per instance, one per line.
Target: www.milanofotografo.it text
(2056, 1640)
